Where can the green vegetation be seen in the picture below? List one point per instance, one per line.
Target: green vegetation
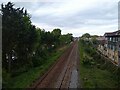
(25, 48)
(86, 35)
(95, 71)
(26, 79)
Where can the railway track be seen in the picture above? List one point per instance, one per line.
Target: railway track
(64, 73)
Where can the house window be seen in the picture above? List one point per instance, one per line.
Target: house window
(113, 39)
(110, 38)
(118, 38)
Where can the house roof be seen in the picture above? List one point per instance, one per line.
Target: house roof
(116, 33)
(102, 40)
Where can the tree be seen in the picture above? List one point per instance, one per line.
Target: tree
(24, 45)
(86, 35)
(56, 34)
(66, 38)
(11, 24)
(19, 37)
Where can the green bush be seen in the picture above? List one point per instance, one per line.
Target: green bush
(18, 71)
(37, 61)
(103, 73)
(92, 63)
(6, 78)
(86, 60)
(87, 50)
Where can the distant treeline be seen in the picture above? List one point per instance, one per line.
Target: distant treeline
(24, 45)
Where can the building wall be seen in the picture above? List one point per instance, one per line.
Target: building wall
(119, 51)
(119, 58)
(111, 49)
(113, 55)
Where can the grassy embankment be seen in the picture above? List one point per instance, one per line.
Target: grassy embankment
(27, 78)
(95, 71)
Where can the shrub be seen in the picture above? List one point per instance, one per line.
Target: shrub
(87, 50)
(6, 78)
(37, 61)
(86, 60)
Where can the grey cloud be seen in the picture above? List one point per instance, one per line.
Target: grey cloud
(79, 19)
(92, 17)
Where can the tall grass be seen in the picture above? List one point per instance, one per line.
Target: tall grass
(97, 72)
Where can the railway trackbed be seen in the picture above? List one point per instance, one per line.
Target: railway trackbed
(64, 73)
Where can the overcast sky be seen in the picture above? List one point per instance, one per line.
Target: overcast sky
(73, 16)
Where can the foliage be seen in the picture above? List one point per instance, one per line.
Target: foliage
(24, 45)
(19, 37)
(6, 78)
(86, 35)
(65, 39)
(86, 60)
(96, 71)
(34, 73)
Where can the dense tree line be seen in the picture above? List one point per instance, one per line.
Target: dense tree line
(23, 45)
